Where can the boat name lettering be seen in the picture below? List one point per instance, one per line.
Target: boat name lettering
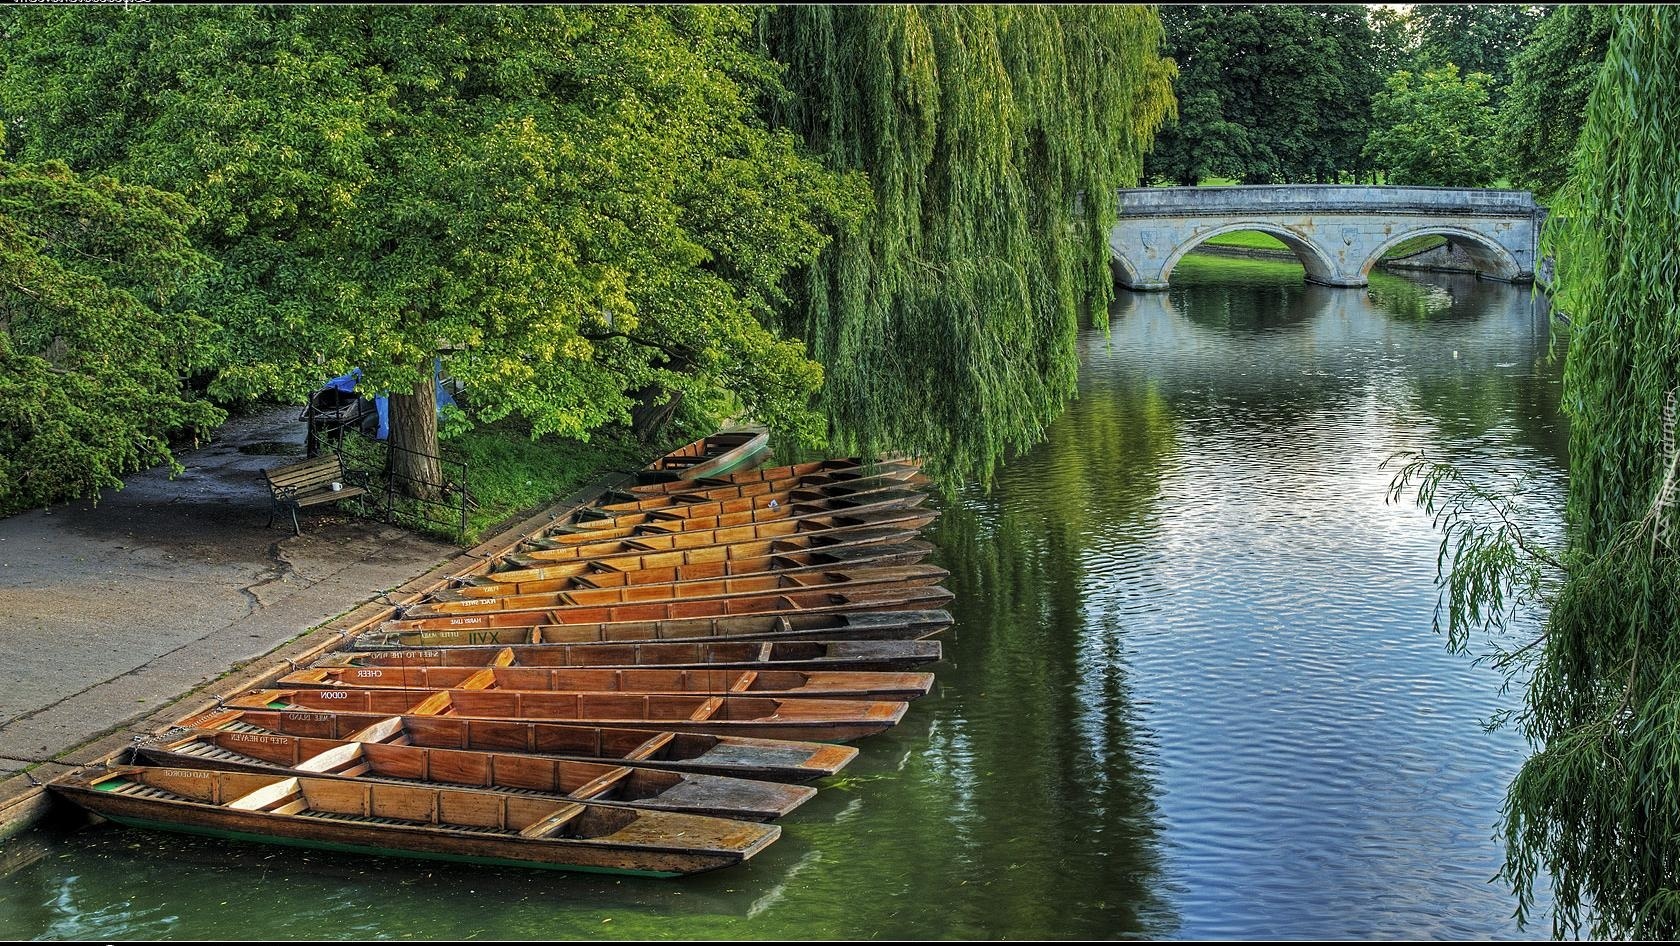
(306, 717)
(186, 773)
(254, 737)
(370, 673)
(334, 695)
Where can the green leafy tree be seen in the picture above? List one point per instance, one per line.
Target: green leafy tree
(995, 139)
(1267, 94)
(1545, 106)
(1393, 44)
(96, 332)
(1475, 37)
(1434, 129)
(575, 206)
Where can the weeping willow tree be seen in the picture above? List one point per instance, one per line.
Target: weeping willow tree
(1596, 808)
(995, 139)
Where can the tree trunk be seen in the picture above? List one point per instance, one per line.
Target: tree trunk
(654, 409)
(413, 442)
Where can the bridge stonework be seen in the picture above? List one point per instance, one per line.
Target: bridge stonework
(1338, 231)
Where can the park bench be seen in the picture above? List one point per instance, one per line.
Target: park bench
(310, 483)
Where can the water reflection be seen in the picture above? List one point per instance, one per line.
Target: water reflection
(1312, 760)
(1193, 690)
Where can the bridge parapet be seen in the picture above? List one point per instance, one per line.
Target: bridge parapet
(1339, 231)
(1341, 198)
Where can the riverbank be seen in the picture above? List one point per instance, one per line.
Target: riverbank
(171, 593)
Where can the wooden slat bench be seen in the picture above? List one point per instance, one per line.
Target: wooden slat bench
(309, 483)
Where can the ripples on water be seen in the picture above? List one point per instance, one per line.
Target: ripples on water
(1193, 692)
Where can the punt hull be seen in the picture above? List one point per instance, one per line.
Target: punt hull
(802, 720)
(907, 551)
(819, 578)
(837, 468)
(705, 457)
(784, 604)
(597, 783)
(852, 626)
(812, 655)
(736, 756)
(777, 684)
(350, 838)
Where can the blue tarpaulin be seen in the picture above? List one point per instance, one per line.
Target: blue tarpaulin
(347, 384)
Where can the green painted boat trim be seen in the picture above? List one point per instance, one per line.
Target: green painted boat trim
(376, 851)
(738, 464)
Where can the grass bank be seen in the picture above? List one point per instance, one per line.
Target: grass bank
(507, 474)
(1255, 240)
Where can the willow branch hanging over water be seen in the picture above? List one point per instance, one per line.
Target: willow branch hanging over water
(946, 321)
(1599, 804)
(1597, 807)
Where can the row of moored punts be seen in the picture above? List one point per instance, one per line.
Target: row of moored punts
(641, 687)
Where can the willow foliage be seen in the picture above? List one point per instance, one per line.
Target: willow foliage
(946, 321)
(1599, 803)
(1597, 807)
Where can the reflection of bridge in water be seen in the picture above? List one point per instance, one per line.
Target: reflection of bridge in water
(1338, 231)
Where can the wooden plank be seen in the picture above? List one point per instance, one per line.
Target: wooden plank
(553, 822)
(433, 705)
(265, 796)
(482, 680)
(380, 731)
(331, 759)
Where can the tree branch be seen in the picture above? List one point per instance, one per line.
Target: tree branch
(670, 352)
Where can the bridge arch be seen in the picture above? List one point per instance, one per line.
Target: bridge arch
(1337, 231)
(1314, 260)
(1489, 257)
(1122, 269)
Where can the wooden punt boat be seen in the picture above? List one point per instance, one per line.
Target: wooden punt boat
(363, 756)
(746, 496)
(424, 821)
(835, 469)
(907, 476)
(826, 625)
(665, 550)
(837, 579)
(675, 520)
(780, 684)
(744, 655)
(713, 561)
(635, 540)
(778, 760)
(878, 598)
(792, 565)
(705, 456)
(763, 717)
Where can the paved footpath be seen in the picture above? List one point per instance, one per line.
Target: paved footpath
(111, 610)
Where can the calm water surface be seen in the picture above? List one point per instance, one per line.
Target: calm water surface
(1193, 690)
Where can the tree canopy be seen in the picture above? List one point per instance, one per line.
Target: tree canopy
(1545, 106)
(1475, 37)
(572, 204)
(1267, 94)
(96, 332)
(995, 140)
(1435, 129)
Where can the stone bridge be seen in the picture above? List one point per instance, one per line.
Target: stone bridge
(1338, 231)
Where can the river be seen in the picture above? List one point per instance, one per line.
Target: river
(1193, 690)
